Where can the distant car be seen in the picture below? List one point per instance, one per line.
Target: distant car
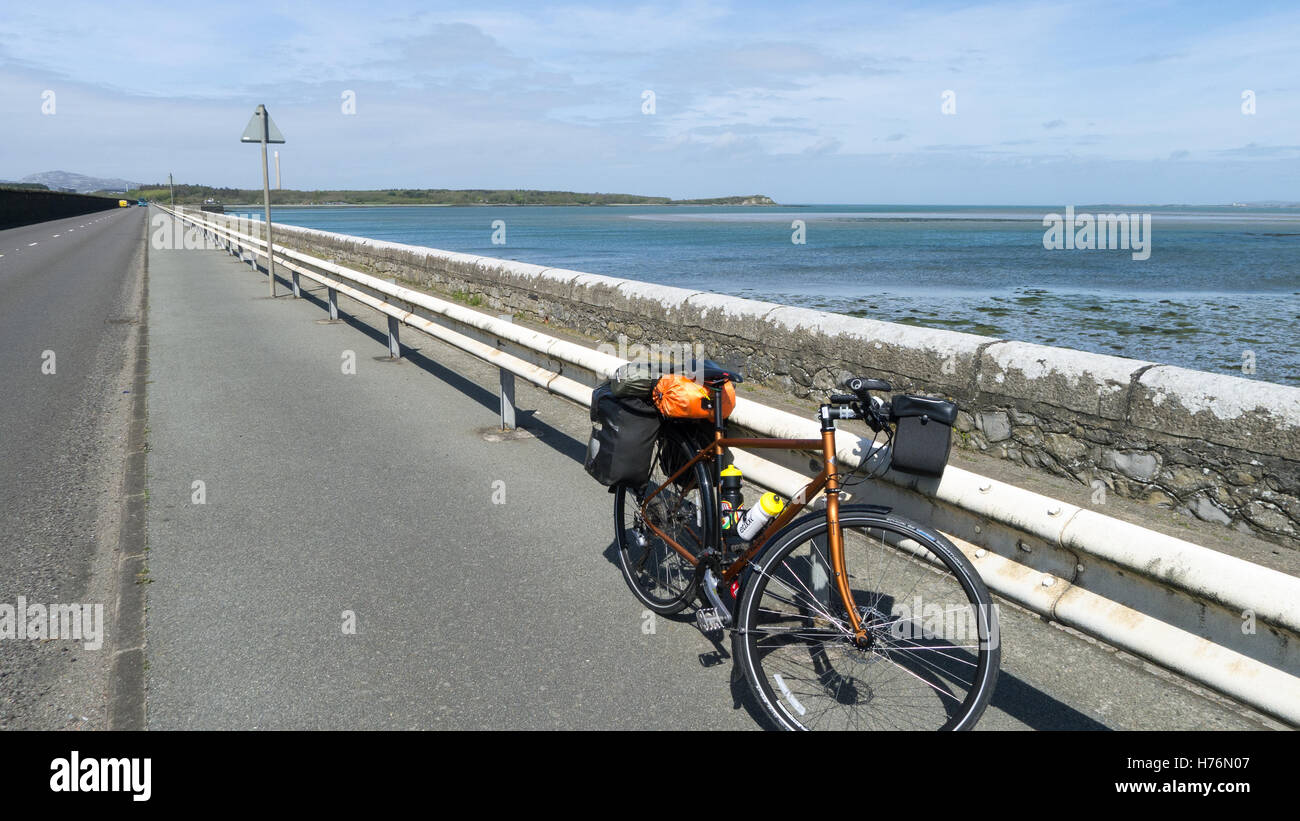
(141, 202)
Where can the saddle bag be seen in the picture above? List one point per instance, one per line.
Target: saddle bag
(622, 438)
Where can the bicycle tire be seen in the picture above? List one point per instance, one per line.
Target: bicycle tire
(814, 663)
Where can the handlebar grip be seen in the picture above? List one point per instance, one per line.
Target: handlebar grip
(861, 386)
(843, 399)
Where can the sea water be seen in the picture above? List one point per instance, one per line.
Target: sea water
(1219, 290)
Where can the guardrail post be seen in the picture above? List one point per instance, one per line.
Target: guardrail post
(507, 389)
(297, 292)
(394, 343)
(332, 298)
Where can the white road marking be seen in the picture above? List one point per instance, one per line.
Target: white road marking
(56, 236)
(30, 244)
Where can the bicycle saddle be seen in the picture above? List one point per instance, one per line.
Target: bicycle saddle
(713, 373)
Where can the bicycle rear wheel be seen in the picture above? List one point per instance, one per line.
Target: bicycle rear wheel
(660, 577)
(931, 657)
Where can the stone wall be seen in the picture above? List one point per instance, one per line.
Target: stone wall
(1222, 448)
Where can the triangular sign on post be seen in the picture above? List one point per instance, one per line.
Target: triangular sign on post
(261, 125)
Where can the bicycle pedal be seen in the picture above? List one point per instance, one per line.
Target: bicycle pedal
(709, 621)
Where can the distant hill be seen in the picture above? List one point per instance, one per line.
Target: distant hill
(198, 194)
(81, 183)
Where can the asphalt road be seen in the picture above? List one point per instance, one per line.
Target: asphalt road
(479, 575)
(68, 287)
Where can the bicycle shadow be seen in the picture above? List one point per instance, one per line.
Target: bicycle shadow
(720, 655)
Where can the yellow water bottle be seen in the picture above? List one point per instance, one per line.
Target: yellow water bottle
(757, 517)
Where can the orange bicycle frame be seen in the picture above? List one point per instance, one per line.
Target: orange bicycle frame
(827, 479)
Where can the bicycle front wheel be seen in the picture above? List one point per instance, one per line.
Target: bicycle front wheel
(930, 657)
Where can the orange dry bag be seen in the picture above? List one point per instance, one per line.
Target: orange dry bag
(678, 397)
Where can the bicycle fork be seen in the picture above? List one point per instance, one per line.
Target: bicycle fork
(835, 536)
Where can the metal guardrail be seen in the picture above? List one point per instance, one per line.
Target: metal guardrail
(1085, 547)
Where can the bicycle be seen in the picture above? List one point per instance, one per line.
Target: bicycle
(823, 633)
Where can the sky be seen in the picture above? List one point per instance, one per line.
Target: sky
(825, 102)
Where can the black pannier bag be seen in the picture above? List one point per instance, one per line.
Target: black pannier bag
(923, 436)
(622, 438)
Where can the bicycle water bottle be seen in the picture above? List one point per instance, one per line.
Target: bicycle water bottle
(757, 517)
(731, 497)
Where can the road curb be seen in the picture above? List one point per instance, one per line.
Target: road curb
(126, 696)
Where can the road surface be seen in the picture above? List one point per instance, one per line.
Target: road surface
(69, 308)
